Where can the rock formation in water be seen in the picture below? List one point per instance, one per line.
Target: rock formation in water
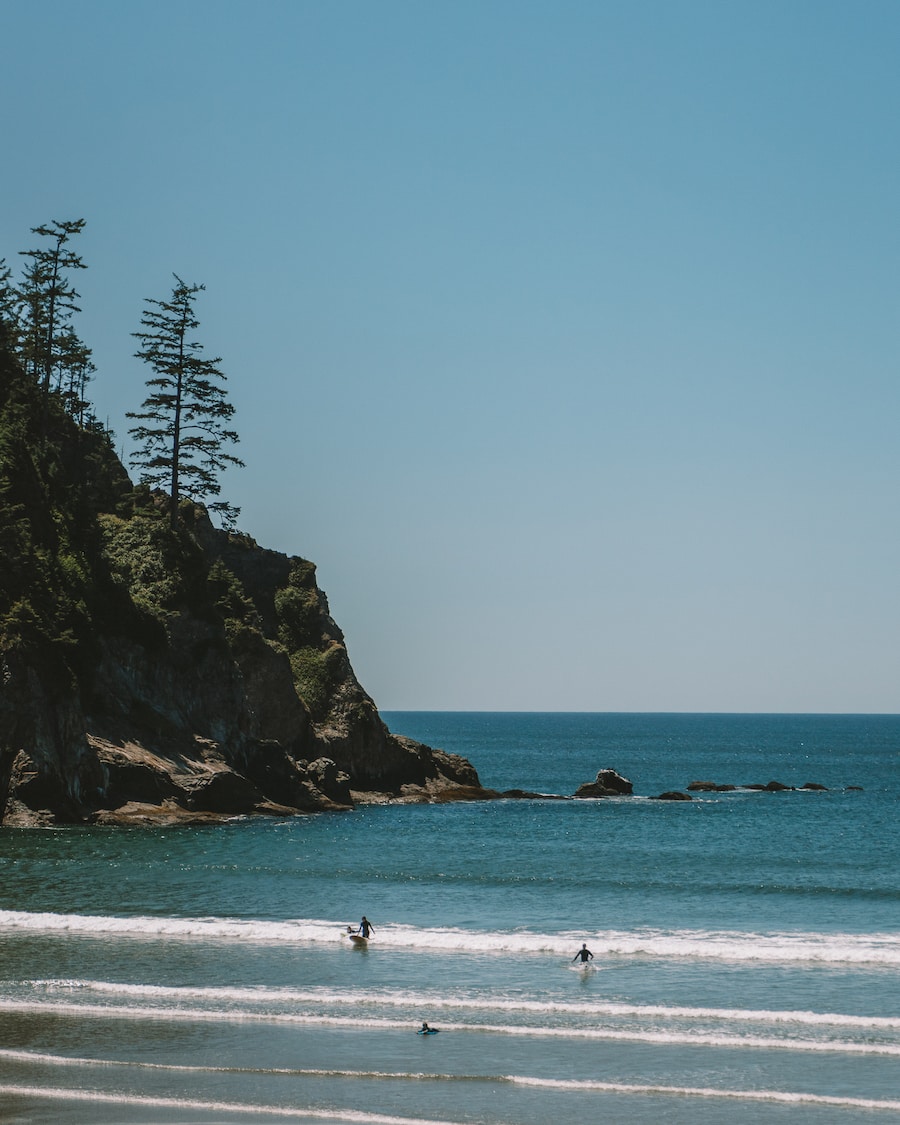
(608, 783)
(152, 674)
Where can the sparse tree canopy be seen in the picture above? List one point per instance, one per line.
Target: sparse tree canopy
(10, 305)
(183, 421)
(48, 343)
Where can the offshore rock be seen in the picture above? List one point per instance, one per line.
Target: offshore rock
(609, 783)
(770, 787)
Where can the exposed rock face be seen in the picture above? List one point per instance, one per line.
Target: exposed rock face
(192, 714)
(159, 674)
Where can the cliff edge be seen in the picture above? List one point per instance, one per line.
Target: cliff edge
(158, 674)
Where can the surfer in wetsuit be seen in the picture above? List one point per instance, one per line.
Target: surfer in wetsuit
(584, 953)
(365, 927)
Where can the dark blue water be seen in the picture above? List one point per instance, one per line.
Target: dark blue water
(747, 944)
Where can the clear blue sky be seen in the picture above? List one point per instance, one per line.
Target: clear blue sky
(563, 336)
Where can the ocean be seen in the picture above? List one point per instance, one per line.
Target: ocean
(746, 944)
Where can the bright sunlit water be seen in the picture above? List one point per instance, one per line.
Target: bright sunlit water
(747, 944)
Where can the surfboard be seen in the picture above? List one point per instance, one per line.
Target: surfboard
(357, 939)
(428, 1031)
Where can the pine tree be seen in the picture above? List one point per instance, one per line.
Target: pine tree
(10, 306)
(48, 303)
(183, 419)
(76, 368)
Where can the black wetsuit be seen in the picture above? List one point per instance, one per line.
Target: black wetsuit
(364, 928)
(585, 954)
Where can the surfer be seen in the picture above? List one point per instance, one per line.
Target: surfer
(426, 1030)
(365, 928)
(584, 953)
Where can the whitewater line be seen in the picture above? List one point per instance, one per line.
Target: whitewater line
(264, 995)
(707, 1092)
(216, 1107)
(771, 1096)
(665, 1038)
(787, 947)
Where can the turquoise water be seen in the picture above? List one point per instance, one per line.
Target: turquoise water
(747, 944)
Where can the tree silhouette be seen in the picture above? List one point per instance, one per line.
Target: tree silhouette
(48, 341)
(183, 420)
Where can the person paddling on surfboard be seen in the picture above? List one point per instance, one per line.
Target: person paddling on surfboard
(584, 953)
(426, 1030)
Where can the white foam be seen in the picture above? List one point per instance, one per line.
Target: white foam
(705, 945)
(44, 1059)
(708, 1092)
(668, 1038)
(436, 1001)
(770, 1096)
(215, 1107)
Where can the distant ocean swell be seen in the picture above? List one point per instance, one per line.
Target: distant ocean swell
(707, 945)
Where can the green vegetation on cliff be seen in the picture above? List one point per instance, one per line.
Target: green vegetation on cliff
(171, 664)
(55, 478)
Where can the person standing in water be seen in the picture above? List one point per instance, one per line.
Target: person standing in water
(584, 953)
(365, 927)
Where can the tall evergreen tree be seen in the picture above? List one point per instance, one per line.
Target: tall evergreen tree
(10, 306)
(48, 301)
(76, 370)
(183, 420)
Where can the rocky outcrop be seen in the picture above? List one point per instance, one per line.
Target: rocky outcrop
(203, 677)
(607, 784)
(768, 787)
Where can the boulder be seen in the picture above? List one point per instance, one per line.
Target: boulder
(815, 787)
(609, 783)
(612, 780)
(673, 795)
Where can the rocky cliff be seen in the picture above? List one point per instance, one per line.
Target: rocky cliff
(157, 674)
